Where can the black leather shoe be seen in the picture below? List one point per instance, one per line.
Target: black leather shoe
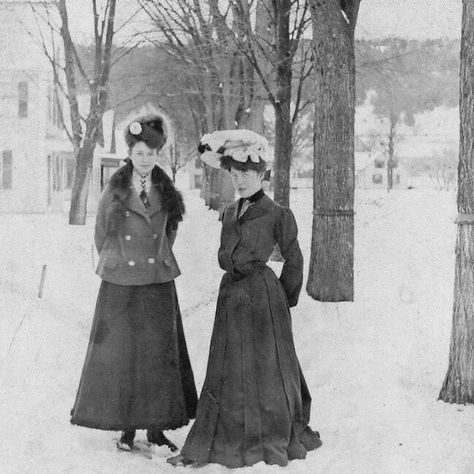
(125, 443)
(157, 437)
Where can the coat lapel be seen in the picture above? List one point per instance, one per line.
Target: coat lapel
(155, 201)
(232, 230)
(230, 236)
(234, 213)
(261, 207)
(135, 204)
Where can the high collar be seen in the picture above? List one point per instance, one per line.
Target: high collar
(141, 182)
(255, 197)
(137, 173)
(263, 205)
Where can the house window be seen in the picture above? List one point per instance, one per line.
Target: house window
(7, 169)
(54, 107)
(379, 163)
(377, 178)
(57, 173)
(197, 181)
(69, 173)
(23, 99)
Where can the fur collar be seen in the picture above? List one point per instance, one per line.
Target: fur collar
(120, 186)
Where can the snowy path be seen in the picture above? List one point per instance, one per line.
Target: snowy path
(374, 367)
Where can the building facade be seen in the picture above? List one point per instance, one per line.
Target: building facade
(36, 163)
(371, 172)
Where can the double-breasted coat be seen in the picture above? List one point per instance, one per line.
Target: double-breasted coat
(134, 243)
(254, 405)
(137, 372)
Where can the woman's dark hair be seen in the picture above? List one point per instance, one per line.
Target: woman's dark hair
(227, 162)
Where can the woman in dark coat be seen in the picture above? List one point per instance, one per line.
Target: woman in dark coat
(137, 373)
(254, 405)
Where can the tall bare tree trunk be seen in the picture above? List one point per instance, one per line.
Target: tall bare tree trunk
(263, 32)
(331, 269)
(391, 152)
(283, 150)
(80, 189)
(283, 127)
(284, 21)
(458, 386)
(84, 146)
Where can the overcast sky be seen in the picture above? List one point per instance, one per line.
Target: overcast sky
(419, 19)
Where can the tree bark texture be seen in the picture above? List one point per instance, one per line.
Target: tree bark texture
(331, 269)
(458, 386)
(80, 188)
(69, 70)
(264, 30)
(98, 89)
(283, 125)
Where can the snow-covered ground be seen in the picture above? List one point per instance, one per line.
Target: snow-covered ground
(374, 367)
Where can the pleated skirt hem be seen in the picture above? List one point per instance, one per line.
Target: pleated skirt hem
(121, 427)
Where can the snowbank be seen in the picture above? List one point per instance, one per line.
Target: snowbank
(374, 367)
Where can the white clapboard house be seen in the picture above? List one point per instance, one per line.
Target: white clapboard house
(371, 168)
(36, 157)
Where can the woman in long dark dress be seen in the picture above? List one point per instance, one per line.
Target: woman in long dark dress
(254, 405)
(137, 373)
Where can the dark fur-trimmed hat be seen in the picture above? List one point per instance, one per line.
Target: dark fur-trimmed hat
(150, 129)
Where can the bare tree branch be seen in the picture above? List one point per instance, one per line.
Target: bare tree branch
(70, 76)
(303, 75)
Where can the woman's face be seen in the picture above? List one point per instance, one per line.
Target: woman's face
(246, 182)
(143, 157)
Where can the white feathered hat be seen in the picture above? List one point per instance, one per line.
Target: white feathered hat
(240, 145)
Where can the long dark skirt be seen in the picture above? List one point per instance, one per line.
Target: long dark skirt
(254, 405)
(137, 372)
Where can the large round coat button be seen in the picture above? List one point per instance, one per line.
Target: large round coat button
(155, 236)
(131, 263)
(151, 260)
(128, 237)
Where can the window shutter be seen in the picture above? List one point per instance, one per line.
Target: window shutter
(7, 170)
(23, 99)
